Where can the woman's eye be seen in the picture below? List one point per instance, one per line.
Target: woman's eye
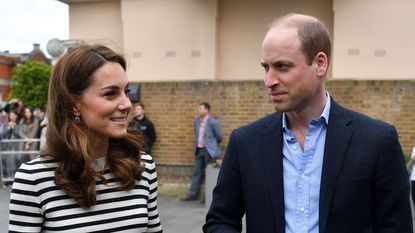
(110, 93)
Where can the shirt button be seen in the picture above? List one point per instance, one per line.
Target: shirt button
(303, 176)
(294, 147)
(302, 209)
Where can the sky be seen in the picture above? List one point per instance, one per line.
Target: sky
(26, 22)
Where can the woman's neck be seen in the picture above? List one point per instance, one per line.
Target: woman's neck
(99, 148)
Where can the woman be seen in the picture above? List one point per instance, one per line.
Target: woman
(91, 176)
(10, 131)
(28, 128)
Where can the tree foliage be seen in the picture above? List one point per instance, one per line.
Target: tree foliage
(30, 83)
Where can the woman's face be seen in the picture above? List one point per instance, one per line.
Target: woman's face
(27, 113)
(104, 105)
(13, 116)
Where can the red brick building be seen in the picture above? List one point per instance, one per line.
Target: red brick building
(8, 61)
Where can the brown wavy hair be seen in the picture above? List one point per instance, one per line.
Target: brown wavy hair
(67, 141)
(25, 120)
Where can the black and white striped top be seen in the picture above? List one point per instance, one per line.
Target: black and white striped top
(38, 205)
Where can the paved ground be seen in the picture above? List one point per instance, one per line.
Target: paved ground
(176, 216)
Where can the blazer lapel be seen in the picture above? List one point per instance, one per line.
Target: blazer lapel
(271, 147)
(337, 142)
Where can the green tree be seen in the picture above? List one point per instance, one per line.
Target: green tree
(30, 83)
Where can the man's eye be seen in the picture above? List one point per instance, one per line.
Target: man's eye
(127, 91)
(283, 67)
(266, 67)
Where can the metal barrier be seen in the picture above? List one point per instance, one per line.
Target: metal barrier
(14, 152)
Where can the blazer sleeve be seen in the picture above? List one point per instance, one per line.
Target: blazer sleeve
(217, 131)
(227, 208)
(391, 205)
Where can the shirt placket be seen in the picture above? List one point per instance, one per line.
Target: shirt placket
(303, 183)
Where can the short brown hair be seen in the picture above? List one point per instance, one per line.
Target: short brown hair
(312, 33)
(205, 105)
(140, 104)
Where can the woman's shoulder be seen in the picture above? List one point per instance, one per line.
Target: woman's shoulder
(42, 163)
(148, 161)
(146, 158)
(35, 170)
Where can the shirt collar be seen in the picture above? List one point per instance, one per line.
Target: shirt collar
(324, 115)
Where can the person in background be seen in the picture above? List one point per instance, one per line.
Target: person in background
(43, 130)
(141, 123)
(208, 135)
(4, 119)
(411, 169)
(312, 166)
(10, 131)
(91, 175)
(40, 115)
(28, 130)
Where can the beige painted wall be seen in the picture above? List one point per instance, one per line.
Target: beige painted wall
(374, 39)
(185, 40)
(170, 40)
(242, 27)
(97, 22)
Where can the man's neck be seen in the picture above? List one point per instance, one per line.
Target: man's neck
(204, 117)
(140, 117)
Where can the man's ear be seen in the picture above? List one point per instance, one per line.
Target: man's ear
(322, 63)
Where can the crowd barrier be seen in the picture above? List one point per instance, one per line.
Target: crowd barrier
(14, 152)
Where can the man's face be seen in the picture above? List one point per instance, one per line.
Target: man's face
(139, 111)
(202, 111)
(292, 83)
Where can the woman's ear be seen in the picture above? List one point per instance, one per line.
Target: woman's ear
(322, 63)
(76, 111)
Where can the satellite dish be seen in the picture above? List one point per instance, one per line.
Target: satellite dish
(55, 47)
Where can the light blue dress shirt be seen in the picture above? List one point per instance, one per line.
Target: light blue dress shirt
(302, 174)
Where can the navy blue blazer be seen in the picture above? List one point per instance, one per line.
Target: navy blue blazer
(364, 183)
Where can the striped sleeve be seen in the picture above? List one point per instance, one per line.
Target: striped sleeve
(150, 174)
(25, 209)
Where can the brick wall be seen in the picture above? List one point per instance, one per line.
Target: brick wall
(173, 107)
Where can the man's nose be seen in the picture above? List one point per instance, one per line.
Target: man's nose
(270, 78)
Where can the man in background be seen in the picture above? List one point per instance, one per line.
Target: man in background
(208, 135)
(141, 123)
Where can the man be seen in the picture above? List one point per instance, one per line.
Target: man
(141, 123)
(208, 135)
(312, 166)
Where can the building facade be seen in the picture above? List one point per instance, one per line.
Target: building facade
(8, 61)
(183, 52)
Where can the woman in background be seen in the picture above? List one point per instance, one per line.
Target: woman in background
(28, 130)
(91, 175)
(10, 131)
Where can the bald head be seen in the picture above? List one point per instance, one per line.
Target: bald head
(312, 33)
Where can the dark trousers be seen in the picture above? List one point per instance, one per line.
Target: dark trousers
(201, 161)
